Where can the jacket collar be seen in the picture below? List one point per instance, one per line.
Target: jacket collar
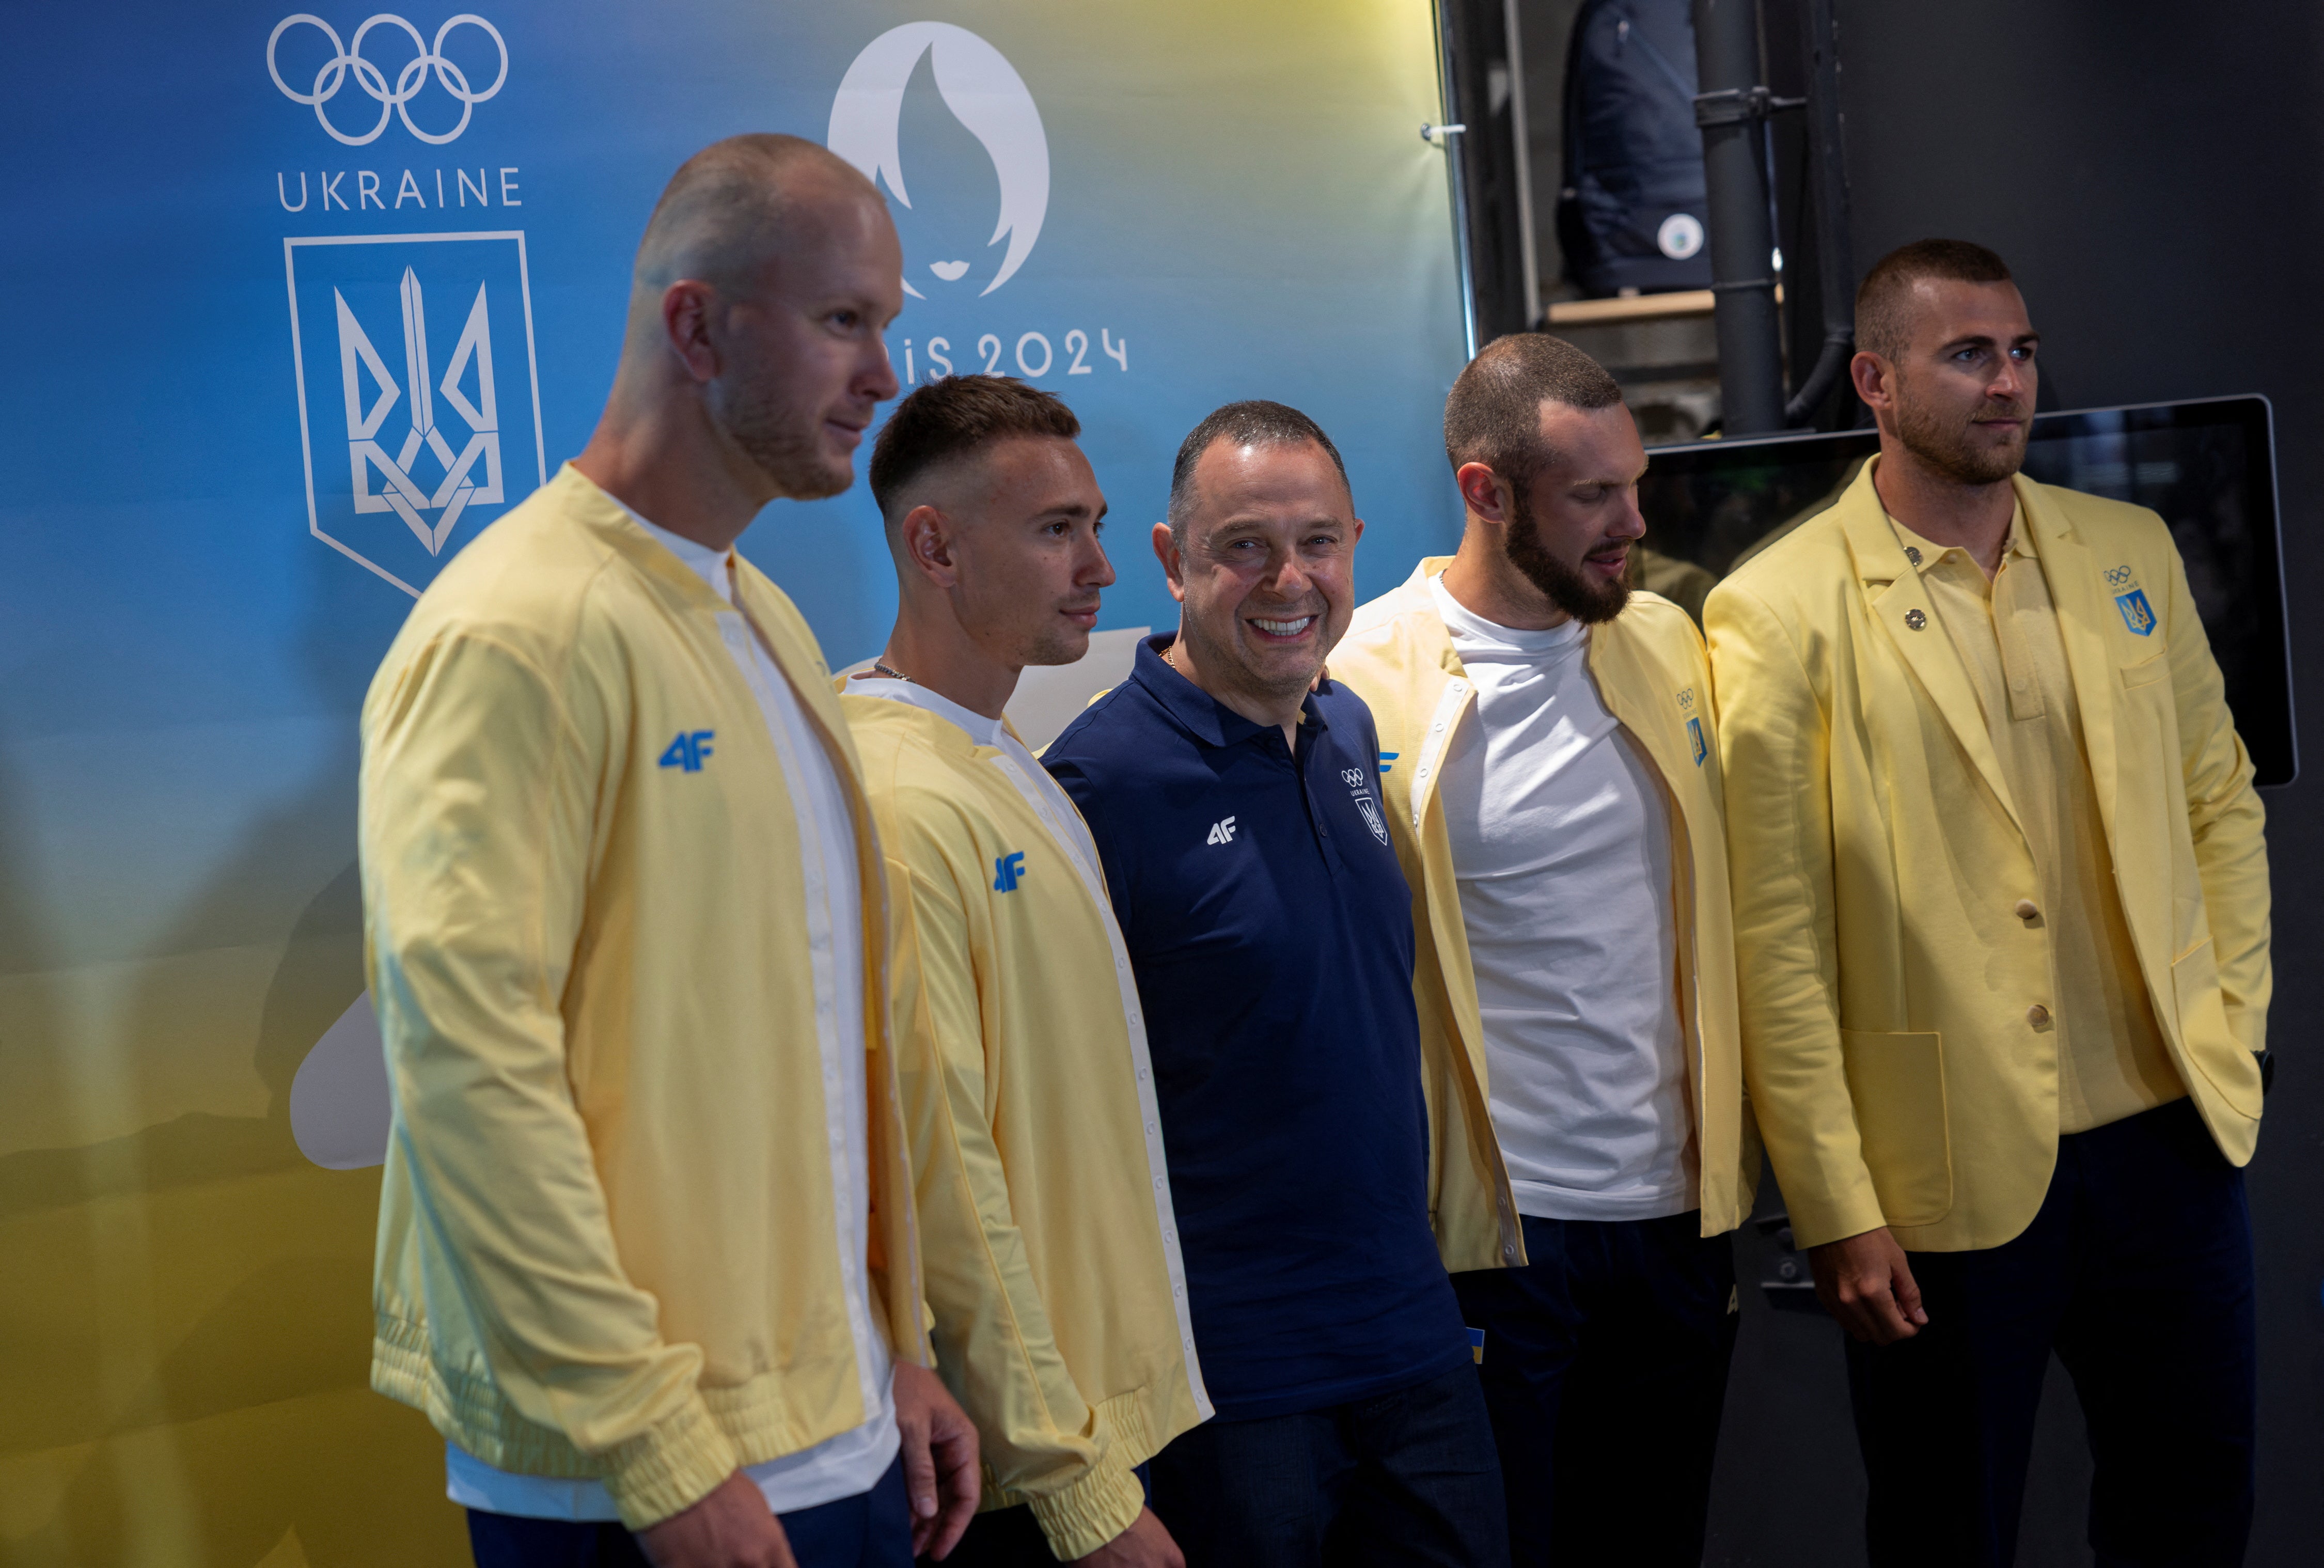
(588, 503)
(1897, 600)
(1196, 711)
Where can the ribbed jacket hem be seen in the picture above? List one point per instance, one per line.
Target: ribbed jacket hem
(659, 1472)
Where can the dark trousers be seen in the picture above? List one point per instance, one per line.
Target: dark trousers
(1406, 1476)
(2137, 1271)
(873, 1529)
(1605, 1369)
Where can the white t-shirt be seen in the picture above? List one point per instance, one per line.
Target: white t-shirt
(854, 1462)
(1561, 848)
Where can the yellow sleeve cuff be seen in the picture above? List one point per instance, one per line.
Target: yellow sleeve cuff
(670, 1467)
(1079, 1519)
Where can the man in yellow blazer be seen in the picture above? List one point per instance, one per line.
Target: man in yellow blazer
(2002, 923)
(1051, 1248)
(646, 1255)
(1552, 781)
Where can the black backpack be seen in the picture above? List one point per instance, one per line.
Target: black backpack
(1630, 214)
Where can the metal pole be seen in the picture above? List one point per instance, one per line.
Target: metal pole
(1733, 106)
(1449, 137)
(1521, 131)
(1835, 261)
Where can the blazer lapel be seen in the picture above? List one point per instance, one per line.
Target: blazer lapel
(1899, 604)
(2082, 614)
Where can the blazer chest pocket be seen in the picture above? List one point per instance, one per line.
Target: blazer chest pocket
(2148, 671)
(1897, 1082)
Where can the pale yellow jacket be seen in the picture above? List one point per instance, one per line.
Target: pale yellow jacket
(1052, 1263)
(608, 1244)
(1649, 665)
(1899, 1075)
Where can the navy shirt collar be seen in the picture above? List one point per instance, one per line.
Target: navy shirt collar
(1196, 711)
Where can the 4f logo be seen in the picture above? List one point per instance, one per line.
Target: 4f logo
(1222, 831)
(431, 426)
(689, 750)
(458, 483)
(1007, 870)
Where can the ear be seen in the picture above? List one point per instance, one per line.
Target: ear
(1483, 491)
(1166, 550)
(1874, 379)
(686, 306)
(925, 534)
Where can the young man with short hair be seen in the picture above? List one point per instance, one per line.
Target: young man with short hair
(1555, 796)
(1234, 797)
(646, 1255)
(2002, 924)
(1051, 1254)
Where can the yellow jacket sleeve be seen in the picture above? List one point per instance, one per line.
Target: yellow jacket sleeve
(994, 1346)
(2224, 816)
(1774, 748)
(476, 818)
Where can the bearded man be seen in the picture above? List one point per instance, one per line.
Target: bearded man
(1549, 751)
(2002, 923)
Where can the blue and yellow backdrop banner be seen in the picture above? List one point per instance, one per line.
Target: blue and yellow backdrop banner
(300, 303)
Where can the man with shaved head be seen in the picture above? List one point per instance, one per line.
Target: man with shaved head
(1555, 797)
(646, 1253)
(2002, 920)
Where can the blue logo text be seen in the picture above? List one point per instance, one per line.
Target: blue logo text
(688, 750)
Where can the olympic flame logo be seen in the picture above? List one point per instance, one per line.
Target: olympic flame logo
(347, 61)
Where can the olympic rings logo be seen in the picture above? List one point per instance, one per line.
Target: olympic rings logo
(346, 59)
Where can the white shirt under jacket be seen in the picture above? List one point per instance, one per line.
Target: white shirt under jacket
(854, 1462)
(1561, 848)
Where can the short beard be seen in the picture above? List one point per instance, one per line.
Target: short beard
(1948, 449)
(1564, 586)
(781, 438)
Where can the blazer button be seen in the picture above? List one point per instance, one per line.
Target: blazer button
(2027, 909)
(1916, 620)
(2038, 1016)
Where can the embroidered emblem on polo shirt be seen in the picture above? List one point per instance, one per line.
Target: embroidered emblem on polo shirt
(1360, 793)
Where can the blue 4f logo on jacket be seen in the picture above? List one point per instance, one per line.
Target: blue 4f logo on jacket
(688, 750)
(1006, 871)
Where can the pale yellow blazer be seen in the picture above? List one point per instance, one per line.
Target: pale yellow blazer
(1649, 665)
(1899, 1074)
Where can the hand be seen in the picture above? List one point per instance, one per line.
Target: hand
(1865, 1282)
(1145, 1544)
(940, 1457)
(732, 1527)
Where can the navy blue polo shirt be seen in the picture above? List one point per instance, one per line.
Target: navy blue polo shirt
(1270, 928)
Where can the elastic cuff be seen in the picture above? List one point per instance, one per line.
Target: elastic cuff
(669, 1468)
(1079, 1519)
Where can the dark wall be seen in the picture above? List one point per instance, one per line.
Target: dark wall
(2155, 174)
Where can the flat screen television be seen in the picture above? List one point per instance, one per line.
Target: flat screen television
(2207, 467)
